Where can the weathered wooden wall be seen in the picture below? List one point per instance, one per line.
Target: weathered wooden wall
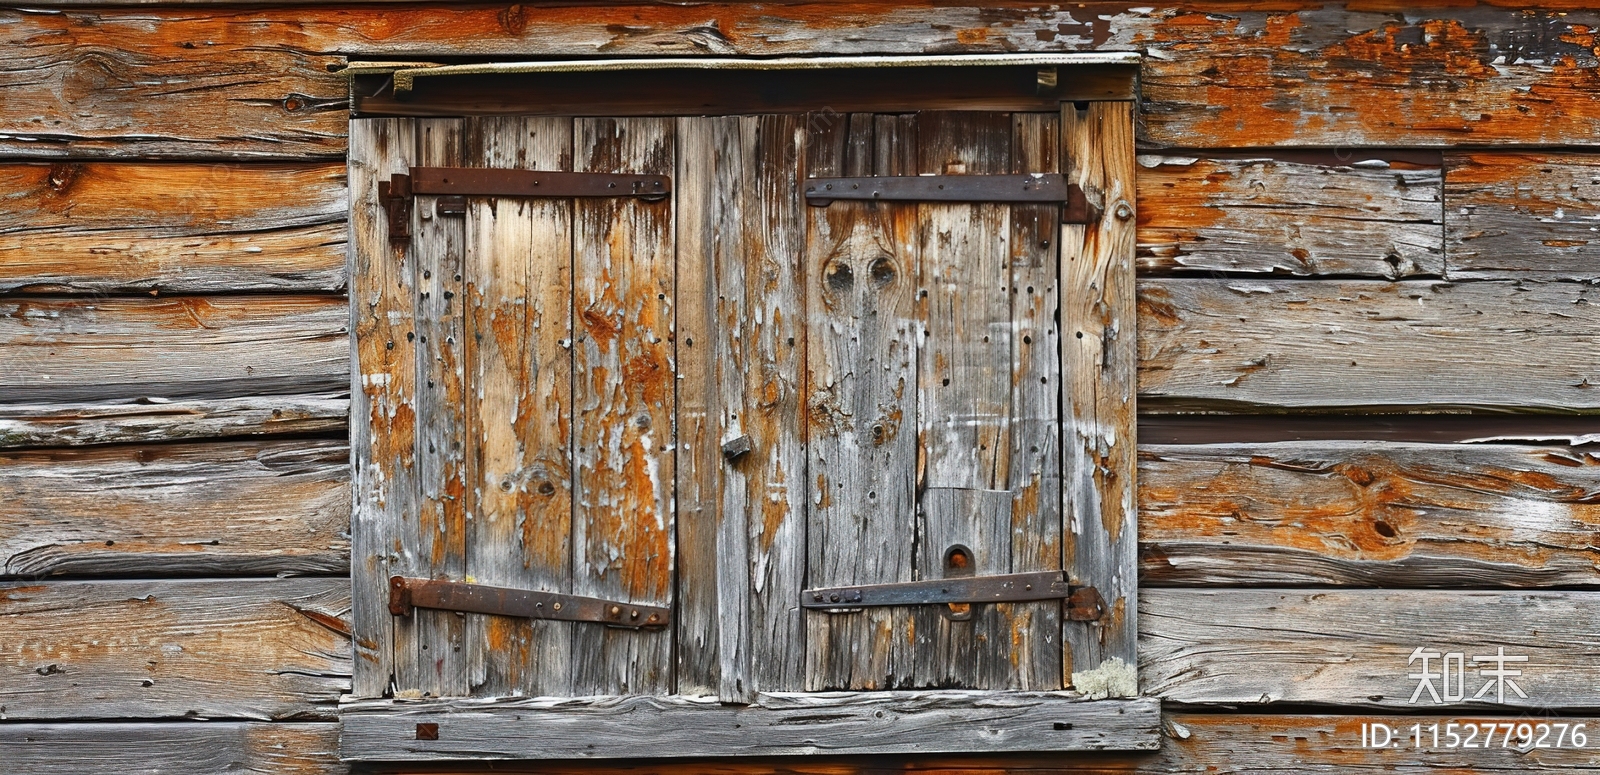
(1353, 208)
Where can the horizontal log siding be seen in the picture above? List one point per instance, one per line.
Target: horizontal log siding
(1217, 75)
(1362, 217)
(145, 420)
(1369, 514)
(258, 649)
(1523, 215)
(224, 509)
(144, 227)
(167, 749)
(68, 350)
(1264, 345)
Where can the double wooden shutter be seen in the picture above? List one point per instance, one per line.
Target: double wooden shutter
(712, 401)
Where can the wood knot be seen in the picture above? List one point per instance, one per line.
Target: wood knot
(62, 176)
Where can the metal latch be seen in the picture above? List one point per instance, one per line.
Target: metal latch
(1031, 187)
(454, 184)
(408, 593)
(1083, 602)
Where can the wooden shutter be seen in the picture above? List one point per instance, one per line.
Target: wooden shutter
(711, 401)
(933, 413)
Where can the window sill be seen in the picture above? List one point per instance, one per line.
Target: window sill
(778, 724)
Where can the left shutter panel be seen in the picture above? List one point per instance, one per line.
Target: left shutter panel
(541, 454)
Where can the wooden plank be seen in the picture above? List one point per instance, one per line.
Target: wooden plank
(67, 350)
(862, 333)
(1229, 75)
(383, 409)
(172, 228)
(149, 749)
(1522, 215)
(185, 86)
(1366, 217)
(734, 92)
(136, 422)
(713, 647)
(1098, 362)
(774, 398)
(1476, 75)
(1368, 514)
(431, 540)
(1207, 743)
(214, 649)
(223, 509)
(1351, 648)
(1035, 465)
(1431, 428)
(623, 397)
(743, 302)
(775, 725)
(964, 386)
(519, 309)
(1360, 346)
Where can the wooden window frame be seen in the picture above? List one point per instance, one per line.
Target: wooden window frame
(1098, 362)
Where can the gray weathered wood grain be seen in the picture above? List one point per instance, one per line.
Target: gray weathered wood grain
(64, 350)
(247, 748)
(713, 650)
(518, 270)
(383, 412)
(965, 378)
(1368, 514)
(774, 725)
(138, 422)
(1350, 648)
(862, 335)
(1522, 214)
(1098, 365)
(204, 649)
(1035, 466)
(1370, 218)
(624, 393)
(141, 227)
(1288, 344)
(223, 509)
(431, 539)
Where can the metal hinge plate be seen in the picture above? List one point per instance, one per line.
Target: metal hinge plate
(453, 184)
(1082, 602)
(1033, 187)
(406, 594)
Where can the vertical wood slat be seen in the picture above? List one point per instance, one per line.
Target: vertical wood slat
(713, 655)
(1098, 361)
(382, 394)
(428, 644)
(860, 407)
(519, 307)
(1035, 465)
(623, 399)
(964, 401)
(775, 346)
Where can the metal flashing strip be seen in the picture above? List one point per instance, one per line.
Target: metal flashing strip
(405, 74)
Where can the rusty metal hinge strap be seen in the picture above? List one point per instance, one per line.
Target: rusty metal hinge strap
(1001, 588)
(484, 181)
(1050, 188)
(408, 593)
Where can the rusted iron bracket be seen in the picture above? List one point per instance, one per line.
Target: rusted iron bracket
(1083, 603)
(406, 594)
(453, 184)
(1034, 187)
